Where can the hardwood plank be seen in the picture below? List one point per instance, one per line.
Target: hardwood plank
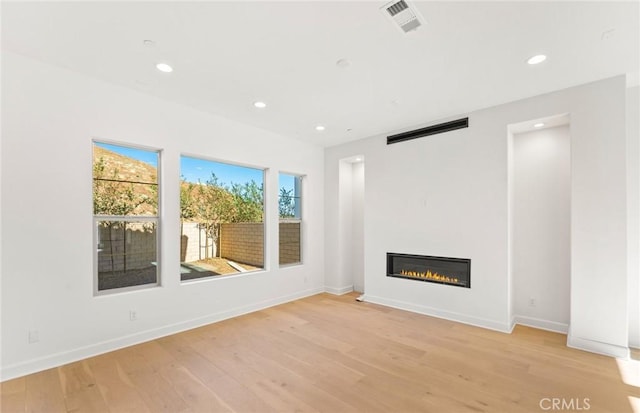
(119, 393)
(332, 354)
(229, 392)
(194, 392)
(298, 387)
(75, 377)
(44, 392)
(88, 400)
(13, 395)
(158, 394)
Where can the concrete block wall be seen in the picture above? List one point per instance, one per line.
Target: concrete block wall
(290, 242)
(133, 248)
(243, 242)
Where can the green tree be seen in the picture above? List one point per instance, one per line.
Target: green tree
(286, 203)
(214, 206)
(113, 196)
(188, 207)
(248, 199)
(188, 210)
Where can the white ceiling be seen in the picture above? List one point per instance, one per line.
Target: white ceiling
(226, 55)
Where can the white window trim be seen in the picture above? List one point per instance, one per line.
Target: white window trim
(128, 218)
(265, 221)
(299, 219)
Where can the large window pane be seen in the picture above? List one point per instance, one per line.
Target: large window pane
(222, 218)
(125, 207)
(290, 211)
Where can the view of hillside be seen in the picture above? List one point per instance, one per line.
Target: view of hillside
(128, 168)
(123, 185)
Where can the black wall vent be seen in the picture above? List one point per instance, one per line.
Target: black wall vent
(429, 130)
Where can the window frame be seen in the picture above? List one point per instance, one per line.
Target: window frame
(155, 219)
(265, 220)
(300, 219)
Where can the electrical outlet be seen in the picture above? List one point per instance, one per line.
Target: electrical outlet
(133, 315)
(34, 336)
(532, 302)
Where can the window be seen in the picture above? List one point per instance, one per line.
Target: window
(125, 208)
(290, 208)
(221, 218)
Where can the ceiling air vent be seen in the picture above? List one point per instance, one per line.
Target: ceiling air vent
(404, 15)
(429, 130)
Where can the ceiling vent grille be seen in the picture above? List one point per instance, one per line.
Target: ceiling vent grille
(403, 15)
(429, 130)
(397, 8)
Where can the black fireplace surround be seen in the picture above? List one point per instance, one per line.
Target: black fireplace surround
(441, 270)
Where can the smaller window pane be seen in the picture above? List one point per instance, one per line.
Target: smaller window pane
(126, 254)
(124, 181)
(289, 201)
(290, 211)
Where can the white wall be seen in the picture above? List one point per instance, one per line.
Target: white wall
(541, 227)
(434, 196)
(1, 229)
(49, 117)
(447, 195)
(633, 212)
(598, 219)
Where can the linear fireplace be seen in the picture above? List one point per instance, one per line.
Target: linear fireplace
(441, 270)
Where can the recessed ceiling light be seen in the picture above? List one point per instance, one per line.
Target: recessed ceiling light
(149, 43)
(358, 159)
(539, 58)
(260, 105)
(538, 125)
(320, 128)
(163, 67)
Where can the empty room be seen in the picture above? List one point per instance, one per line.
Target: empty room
(320, 206)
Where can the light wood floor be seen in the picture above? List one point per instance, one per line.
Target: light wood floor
(332, 354)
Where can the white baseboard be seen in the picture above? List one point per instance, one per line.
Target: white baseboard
(59, 359)
(541, 324)
(338, 291)
(447, 315)
(597, 347)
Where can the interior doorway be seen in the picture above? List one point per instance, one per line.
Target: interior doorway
(539, 222)
(351, 215)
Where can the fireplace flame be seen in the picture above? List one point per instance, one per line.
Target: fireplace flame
(430, 276)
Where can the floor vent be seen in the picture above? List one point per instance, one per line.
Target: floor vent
(429, 130)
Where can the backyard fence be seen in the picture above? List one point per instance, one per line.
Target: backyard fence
(125, 246)
(242, 242)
